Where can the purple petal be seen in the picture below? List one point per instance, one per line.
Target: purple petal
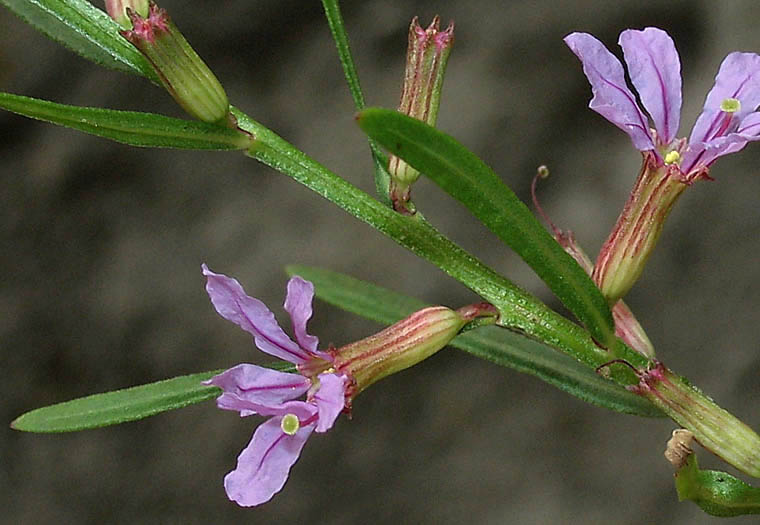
(305, 412)
(232, 303)
(248, 387)
(739, 78)
(330, 399)
(655, 70)
(298, 305)
(612, 98)
(703, 154)
(263, 466)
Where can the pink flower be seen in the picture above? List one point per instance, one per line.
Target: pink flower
(728, 120)
(263, 466)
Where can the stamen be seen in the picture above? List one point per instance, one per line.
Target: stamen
(542, 172)
(672, 157)
(290, 424)
(730, 105)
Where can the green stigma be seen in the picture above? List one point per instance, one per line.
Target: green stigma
(290, 424)
(672, 157)
(730, 105)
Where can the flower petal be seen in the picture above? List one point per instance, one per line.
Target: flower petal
(612, 98)
(263, 466)
(248, 387)
(703, 154)
(330, 399)
(298, 304)
(655, 70)
(739, 78)
(232, 303)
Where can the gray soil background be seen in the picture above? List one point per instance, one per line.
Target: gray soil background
(101, 246)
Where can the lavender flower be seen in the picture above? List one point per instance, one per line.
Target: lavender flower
(330, 380)
(263, 466)
(728, 120)
(727, 123)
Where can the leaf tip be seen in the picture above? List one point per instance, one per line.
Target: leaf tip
(17, 424)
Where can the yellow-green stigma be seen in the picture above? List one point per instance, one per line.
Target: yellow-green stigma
(730, 105)
(290, 424)
(672, 157)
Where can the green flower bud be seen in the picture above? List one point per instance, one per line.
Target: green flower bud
(182, 72)
(426, 59)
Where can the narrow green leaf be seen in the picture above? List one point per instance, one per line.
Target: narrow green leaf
(84, 29)
(130, 127)
(717, 493)
(465, 177)
(338, 30)
(123, 406)
(119, 406)
(498, 345)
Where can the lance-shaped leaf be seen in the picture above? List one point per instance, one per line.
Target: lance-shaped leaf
(468, 179)
(84, 29)
(123, 406)
(119, 406)
(498, 345)
(130, 127)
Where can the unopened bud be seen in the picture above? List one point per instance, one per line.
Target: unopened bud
(181, 71)
(404, 344)
(426, 59)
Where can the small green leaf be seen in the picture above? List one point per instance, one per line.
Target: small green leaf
(338, 30)
(129, 404)
(465, 177)
(716, 493)
(120, 406)
(498, 345)
(130, 127)
(84, 29)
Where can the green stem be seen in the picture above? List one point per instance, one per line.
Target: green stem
(520, 311)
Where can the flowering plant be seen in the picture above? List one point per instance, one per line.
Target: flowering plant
(601, 355)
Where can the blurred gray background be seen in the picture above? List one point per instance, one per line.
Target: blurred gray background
(101, 246)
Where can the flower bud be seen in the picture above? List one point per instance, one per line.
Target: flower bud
(181, 71)
(403, 344)
(628, 247)
(714, 428)
(426, 58)
(117, 9)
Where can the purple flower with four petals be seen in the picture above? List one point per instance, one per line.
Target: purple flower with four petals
(263, 466)
(728, 120)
